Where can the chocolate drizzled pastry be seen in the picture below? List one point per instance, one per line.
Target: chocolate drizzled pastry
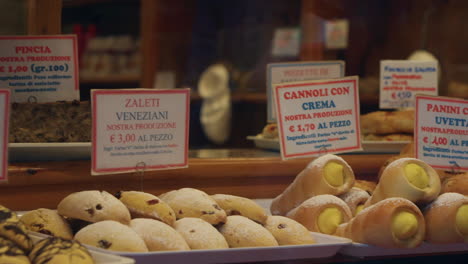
(10, 253)
(58, 250)
(13, 229)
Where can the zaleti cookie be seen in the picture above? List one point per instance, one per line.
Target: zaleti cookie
(199, 234)
(287, 231)
(189, 202)
(13, 229)
(94, 206)
(158, 236)
(10, 253)
(146, 205)
(56, 250)
(47, 221)
(236, 205)
(239, 231)
(111, 235)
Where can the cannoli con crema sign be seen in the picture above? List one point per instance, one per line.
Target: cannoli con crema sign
(318, 117)
(139, 130)
(441, 132)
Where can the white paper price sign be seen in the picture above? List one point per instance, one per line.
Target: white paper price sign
(299, 71)
(4, 120)
(401, 81)
(441, 131)
(316, 117)
(139, 129)
(44, 68)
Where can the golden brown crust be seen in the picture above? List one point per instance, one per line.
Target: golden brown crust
(239, 231)
(457, 183)
(288, 231)
(382, 122)
(368, 186)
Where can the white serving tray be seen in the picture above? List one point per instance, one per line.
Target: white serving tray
(99, 257)
(326, 246)
(364, 250)
(374, 147)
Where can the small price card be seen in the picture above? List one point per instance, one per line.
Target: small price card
(286, 42)
(441, 130)
(401, 81)
(317, 117)
(4, 119)
(40, 68)
(139, 129)
(299, 71)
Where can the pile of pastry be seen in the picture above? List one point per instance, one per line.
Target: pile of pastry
(406, 207)
(17, 247)
(183, 219)
(388, 125)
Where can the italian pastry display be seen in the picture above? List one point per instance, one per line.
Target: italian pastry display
(17, 247)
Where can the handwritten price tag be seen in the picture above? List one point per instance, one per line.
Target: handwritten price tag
(401, 81)
(139, 127)
(299, 71)
(41, 67)
(442, 132)
(4, 119)
(317, 117)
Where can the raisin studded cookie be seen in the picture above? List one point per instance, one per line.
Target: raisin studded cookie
(199, 234)
(189, 202)
(287, 231)
(236, 205)
(94, 206)
(47, 221)
(239, 231)
(158, 236)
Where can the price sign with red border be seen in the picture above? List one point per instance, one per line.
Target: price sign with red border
(441, 132)
(139, 129)
(40, 68)
(4, 121)
(317, 117)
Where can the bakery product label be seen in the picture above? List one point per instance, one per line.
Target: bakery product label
(299, 71)
(139, 130)
(441, 132)
(402, 80)
(318, 117)
(40, 68)
(4, 118)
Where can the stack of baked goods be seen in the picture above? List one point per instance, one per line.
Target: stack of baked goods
(404, 209)
(17, 247)
(183, 219)
(388, 125)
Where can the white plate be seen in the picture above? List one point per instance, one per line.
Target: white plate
(325, 247)
(49, 151)
(382, 147)
(364, 250)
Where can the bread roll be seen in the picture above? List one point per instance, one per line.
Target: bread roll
(158, 236)
(47, 222)
(239, 231)
(447, 219)
(328, 174)
(189, 202)
(94, 206)
(321, 213)
(391, 223)
(456, 184)
(236, 205)
(287, 231)
(355, 199)
(111, 235)
(146, 205)
(199, 234)
(408, 178)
